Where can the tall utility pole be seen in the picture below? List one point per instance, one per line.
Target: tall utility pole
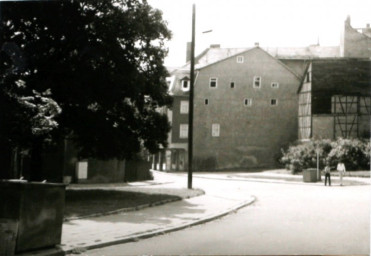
(190, 120)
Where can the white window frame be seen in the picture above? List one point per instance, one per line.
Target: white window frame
(184, 107)
(240, 59)
(213, 79)
(247, 102)
(273, 85)
(188, 83)
(215, 130)
(183, 131)
(257, 78)
(275, 104)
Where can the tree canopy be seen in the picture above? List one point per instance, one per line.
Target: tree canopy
(89, 70)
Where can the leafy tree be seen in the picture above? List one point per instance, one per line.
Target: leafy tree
(100, 62)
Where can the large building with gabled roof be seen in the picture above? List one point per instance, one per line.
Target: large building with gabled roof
(244, 111)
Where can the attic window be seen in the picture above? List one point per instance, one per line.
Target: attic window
(213, 82)
(240, 59)
(185, 85)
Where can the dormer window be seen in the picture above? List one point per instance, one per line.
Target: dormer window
(185, 85)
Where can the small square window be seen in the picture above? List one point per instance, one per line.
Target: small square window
(184, 106)
(275, 85)
(206, 101)
(215, 130)
(183, 131)
(248, 102)
(274, 102)
(232, 85)
(240, 59)
(213, 82)
(257, 81)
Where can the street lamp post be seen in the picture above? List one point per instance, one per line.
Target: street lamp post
(191, 89)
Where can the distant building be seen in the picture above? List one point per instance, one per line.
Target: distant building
(355, 42)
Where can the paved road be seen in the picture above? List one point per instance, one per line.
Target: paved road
(285, 219)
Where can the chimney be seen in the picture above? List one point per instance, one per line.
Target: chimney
(188, 51)
(347, 21)
(214, 45)
(368, 25)
(257, 44)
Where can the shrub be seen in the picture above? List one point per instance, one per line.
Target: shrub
(354, 153)
(304, 155)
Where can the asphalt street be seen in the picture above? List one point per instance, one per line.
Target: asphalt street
(285, 219)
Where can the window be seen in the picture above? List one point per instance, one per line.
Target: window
(274, 102)
(232, 85)
(239, 59)
(183, 131)
(248, 102)
(257, 81)
(184, 106)
(215, 130)
(213, 82)
(275, 85)
(206, 101)
(185, 85)
(308, 77)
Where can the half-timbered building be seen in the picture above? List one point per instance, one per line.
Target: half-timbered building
(335, 99)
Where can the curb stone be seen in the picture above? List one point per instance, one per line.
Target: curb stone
(148, 234)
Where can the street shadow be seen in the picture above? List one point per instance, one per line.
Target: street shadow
(162, 215)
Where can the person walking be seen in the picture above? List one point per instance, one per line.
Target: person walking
(327, 172)
(341, 169)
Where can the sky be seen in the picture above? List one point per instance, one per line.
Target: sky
(241, 23)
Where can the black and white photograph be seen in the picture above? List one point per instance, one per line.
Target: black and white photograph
(185, 127)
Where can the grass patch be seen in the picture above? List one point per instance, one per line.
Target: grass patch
(83, 202)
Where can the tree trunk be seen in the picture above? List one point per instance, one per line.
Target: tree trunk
(35, 171)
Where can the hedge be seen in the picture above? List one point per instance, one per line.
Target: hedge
(354, 153)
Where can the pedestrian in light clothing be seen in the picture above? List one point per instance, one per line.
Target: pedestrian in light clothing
(327, 172)
(341, 169)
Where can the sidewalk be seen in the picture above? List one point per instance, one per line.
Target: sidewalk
(282, 176)
(95, 232)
